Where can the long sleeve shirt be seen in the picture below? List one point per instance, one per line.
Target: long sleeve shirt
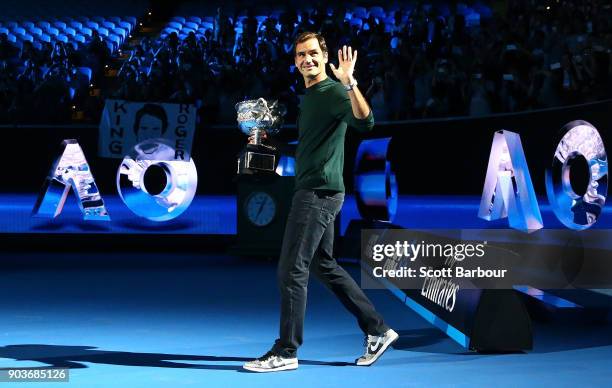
(325, 114)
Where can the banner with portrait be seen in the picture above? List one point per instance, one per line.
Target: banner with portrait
(125, 124)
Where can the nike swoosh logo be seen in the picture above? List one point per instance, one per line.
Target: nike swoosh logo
(373, 349)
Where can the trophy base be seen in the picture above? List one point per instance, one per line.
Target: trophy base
(257, 158)
(259, 161)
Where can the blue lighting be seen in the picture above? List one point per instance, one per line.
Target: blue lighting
(547, 298)
(286, 166)
(375, 182)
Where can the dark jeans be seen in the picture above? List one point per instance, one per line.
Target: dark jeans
(308, 245)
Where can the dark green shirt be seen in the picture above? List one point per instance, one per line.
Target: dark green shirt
(325, 113)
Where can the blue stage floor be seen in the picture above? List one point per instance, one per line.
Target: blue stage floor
(191, 320)
(172, 320)
(217, 215)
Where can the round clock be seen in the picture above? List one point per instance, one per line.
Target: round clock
(260, 208)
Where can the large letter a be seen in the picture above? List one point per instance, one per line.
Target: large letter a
(70, 170)
(508, 189)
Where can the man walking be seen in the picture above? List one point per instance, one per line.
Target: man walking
(327, 109)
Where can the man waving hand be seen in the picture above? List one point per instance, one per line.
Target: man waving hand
(326, 111)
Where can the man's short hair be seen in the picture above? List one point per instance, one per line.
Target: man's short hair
(304, 36)
(154, 110)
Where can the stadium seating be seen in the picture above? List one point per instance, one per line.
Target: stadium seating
(356, 16)
(113, 29)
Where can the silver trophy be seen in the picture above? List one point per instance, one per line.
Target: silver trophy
(254, 118)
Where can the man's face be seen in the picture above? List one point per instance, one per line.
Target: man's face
(309, 59)
(150, 127)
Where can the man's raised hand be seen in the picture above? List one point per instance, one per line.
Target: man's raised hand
(346, 65)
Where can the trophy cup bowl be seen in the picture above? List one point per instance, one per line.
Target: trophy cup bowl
(254, 118)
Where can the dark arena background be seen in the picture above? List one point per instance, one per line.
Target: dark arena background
(108, 277)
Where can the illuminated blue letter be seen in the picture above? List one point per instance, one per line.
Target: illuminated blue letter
(70, 170)
(508, 189)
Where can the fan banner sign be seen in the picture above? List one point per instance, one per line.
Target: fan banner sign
(126, 123)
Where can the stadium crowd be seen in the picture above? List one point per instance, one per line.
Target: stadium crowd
(44, 85)
(416, 61)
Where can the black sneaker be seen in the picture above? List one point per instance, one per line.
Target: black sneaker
(271, 362)
(376, 346)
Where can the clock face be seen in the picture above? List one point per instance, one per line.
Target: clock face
(260, 208)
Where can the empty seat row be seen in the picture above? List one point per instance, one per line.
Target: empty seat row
(193, 19)
(113, 30)
(68, 20)
(121, 27)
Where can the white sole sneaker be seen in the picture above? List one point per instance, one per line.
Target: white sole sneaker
(290, 366)
(390, 337)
